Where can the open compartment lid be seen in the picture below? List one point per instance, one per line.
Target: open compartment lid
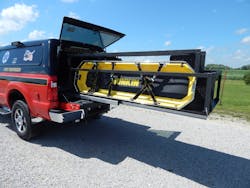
(86, 33)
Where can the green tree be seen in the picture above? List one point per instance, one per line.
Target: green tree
(247, 78)
(245, 67)
(216, 67)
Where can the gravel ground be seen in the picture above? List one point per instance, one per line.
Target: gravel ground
(129, 147)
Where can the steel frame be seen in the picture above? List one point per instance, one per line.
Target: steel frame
(199, 59)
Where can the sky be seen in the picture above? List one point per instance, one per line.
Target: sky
(220, 27)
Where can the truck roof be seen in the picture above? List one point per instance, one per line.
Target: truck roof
(17, 44)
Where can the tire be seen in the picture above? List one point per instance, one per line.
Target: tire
(21, 120)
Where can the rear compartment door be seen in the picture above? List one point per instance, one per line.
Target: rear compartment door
(83, 33)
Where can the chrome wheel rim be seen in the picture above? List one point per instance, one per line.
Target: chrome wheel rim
(20, 120)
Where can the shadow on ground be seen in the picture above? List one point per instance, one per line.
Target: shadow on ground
(112, 140)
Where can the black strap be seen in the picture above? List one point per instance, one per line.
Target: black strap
(147, 86)
(158, 70)
(160, 67)
(94, 84)
(111, 79)
(138, 66)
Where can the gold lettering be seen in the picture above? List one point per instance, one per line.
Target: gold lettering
(10, 69)
(130, 82)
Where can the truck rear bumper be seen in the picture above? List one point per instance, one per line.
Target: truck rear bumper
(64, 117)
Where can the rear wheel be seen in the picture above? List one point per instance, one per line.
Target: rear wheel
(21, 120)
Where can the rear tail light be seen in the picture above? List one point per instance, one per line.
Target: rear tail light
(52, 89)
(70, 106)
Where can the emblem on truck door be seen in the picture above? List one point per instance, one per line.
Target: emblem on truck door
(28, 55)
(5, 57)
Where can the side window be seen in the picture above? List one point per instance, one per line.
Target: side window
(32, 55)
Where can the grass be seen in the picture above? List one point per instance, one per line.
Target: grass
(235, 99)
(236, 74)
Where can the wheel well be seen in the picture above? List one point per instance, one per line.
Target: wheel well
(14, 96)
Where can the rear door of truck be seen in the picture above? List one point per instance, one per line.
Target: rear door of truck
(79, 33)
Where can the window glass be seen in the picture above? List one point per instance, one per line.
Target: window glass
(87, 36)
